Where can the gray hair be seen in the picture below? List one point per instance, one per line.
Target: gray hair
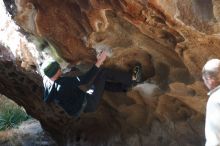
(211, 68)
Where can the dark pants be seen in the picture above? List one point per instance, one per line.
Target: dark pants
(107, 79)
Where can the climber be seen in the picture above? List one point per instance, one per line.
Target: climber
(65, 91)
(211, 78)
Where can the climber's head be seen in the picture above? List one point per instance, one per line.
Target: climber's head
(211, 73)
(52, 70)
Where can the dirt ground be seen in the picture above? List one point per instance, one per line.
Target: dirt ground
(29, 133)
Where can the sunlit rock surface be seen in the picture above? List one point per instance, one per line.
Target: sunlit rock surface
(172, 40)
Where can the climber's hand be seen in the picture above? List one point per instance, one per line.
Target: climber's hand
(101, 58)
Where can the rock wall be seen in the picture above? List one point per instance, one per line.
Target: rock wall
(172, 40)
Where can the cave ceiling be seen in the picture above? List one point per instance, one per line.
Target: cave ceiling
(172, 33)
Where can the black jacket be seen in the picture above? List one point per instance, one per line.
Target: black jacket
(66, 92)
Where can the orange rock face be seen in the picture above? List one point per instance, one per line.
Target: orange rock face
(77, 28)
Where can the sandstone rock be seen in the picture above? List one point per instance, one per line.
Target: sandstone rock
(181, 89)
